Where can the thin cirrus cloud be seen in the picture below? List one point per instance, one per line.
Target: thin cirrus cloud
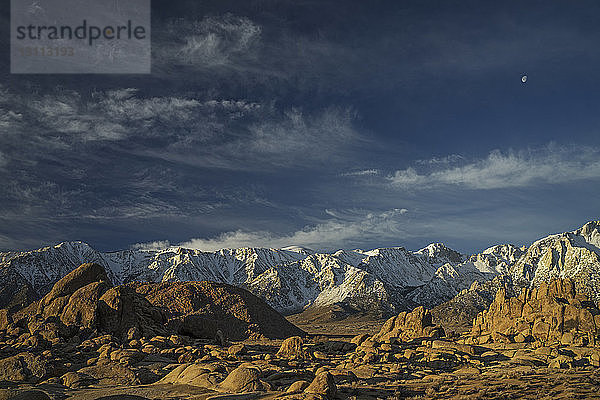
(217, 40)
(344, 230)
(213, 41)
(227, 51)
(552, 164)
(122, 155)
(222, 133)
(364, 172)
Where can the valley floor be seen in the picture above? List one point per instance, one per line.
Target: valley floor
(420, 369)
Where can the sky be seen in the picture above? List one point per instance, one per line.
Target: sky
(324, 124)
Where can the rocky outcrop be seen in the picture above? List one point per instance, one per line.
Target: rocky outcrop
(410, 325)
(292, 347)
(200, 309)
(456, 315)
(82, 307)
(72, 301)
(553, 312)
(81, 276)
(122, 308)
(85, 300)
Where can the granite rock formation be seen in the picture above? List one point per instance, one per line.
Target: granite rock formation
(410, 325)
(555, 312)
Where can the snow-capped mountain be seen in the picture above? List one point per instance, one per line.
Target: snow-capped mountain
(42, 267)
(289, 279)
(438, 254)
(497, 259)
(573, 255)
(456, 274)
(293, 278)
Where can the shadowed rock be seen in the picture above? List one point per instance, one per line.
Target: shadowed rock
(29, 395)
(200, 309)
(81, 309)
(122, 308)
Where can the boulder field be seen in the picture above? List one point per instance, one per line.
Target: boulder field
(89, 340)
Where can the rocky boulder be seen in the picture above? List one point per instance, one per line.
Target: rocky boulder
(13, 369)
(323, 385)
(122, 308)
(553, 312)
(81, 276)
(27, 366)
(85, 298)
(201, 309)
(72, 301)
(110, 373)
(292, 347)
(245, 378)
(82, 307)
(193, 375)
(410, 325)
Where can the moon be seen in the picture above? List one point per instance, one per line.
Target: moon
(524, 78)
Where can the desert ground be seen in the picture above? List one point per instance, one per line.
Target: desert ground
(118, 343)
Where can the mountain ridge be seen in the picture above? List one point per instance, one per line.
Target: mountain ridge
(293, 278)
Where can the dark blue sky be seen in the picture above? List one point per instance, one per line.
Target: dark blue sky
(328, 124)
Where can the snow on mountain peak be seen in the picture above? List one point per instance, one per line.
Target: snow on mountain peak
(591, 233)
(294, 277)
(439, 253)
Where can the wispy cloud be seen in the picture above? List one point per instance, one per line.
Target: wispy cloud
(552, 164)
(346, 229)
(364, 172)
(222, 133)
(110, 157)
(446, 160)
(215, 41)
(158, 245)
(227, 42)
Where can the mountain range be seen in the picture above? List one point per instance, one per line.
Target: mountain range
(291, 279)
